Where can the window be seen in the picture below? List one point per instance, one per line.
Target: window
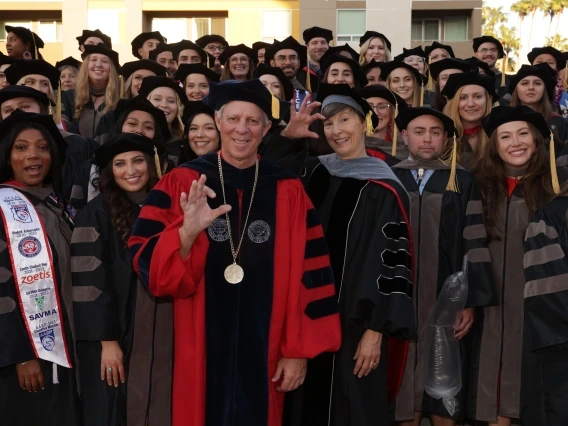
(3, 32)
(276, 24)
(456, 28)
(425, 30)
(351, 25)
(201, 27)
(106, 20)
(49, 31)
(173, 29)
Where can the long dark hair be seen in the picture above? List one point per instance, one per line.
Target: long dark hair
(187, 153)
(53, 177)
(491, 176)
(122, 214)
(117, 129)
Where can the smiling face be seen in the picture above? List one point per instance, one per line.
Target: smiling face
(239, 66)
(376, 50)
(99, 69)
(340, 73)
(203, 136)
(546, 58)
(425, 138)
(488, 53)
(68, 79)
(288, 61)
(15, 47)
(189, 56)
(147, 47)
(166, 59)
(401, 81)
(316, 48)
(472, 104)
(374, 76)
(272, 83)
(196, 87)
(515, 144)
(30, 158)
(242, 127)
(444, 75)
(384, 110)
(38, 82)
(25, 104)
(140, 122)
(137, 77)
(438, 54)
(345, 133)
(530, 90)
(165, 98)
(130, 171)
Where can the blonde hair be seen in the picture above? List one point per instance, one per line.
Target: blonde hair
(127, 93)
(83, 89)
(415, 91)
(451, 110)
(365, 47)
(227, 75)
(176, 126)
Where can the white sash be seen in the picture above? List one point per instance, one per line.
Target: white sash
(34, 275)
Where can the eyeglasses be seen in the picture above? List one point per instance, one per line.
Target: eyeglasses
(241, 60)
(382, 108)
(212, 47)
(486, 50)
(291, 58)
(410, 61)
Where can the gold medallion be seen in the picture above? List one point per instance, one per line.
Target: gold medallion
(234, 274)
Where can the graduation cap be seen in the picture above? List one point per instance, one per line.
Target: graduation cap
(22, 67)
(153, 82)
(97, 33)
(358, 73)
(435, 45)
(257, 45)
(549, 50)
(239, 48)
(162, 47)
(388, 67)
(288, 43)
(13, 92)
(193, 108)
(507, 114)
(373, 34)
(252, 91)
(143, 64)
(46, 121)
(27, 36)
(187, 69)
(448, 64)
(480, 64)
(142, 38)
(416, 51)
(189, 45)
(68, 62)
(456, 81)
(315, 32)
(139, 103)
(277, 72)
(344, 94)
(408, 115)
(337, 51)
(211, 38)
(127, 142)
(5, 59)
(542, 71)
(478, 41)
(102, 50)
(371, 65)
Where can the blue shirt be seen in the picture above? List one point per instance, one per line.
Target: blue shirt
(427, 174)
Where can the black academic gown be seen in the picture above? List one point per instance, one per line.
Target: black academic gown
(363, 222)
(89, 119)
(545, 357)
(446, 226)
(78, 151)
(111, 305)
(57, 404)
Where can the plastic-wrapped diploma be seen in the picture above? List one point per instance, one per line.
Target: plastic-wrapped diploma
(443, 377)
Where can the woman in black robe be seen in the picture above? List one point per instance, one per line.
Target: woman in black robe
(364, 211)
(124, 335)
(35, 391)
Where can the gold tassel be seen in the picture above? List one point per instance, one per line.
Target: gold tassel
(369, 119)
(553, 173)
(394, 131)
(157, 163)
(308, 79)
(452, 182)
(503, 75)
(430, 80)
(275, 106)
(422, 95)
(57, 116)
(121, 80)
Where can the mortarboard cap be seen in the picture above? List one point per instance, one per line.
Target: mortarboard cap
(358, 73)
(415, 51)
(555, 53)
(13, 92)
(22, 67)
(388, 67)
(373, 34)
(139, 103)
(480, 64)
(27, 36)
(239, 48)
(188, 45)
(151, 83)
(102, 50)
(542, 71)
(435, 45)
(456, 81)
(96, 33)
(315, 32)
(211, 38)
(488, 39)
(407, 115)
(450, 63)
(506, 114)
(142, 38)
(68, 62)
(287, 87)
(143, 64)
(187, 69)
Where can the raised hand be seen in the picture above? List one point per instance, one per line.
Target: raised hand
(197, 215)
(300, 121)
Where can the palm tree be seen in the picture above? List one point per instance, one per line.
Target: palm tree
(558, 42)
(511, 44)
(521, 8)
(560, 6)
(534, 7)
(550, 11)
(490, 18)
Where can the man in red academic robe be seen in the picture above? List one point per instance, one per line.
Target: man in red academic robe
(232, 217)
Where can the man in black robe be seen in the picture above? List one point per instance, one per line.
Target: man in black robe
(447, 224)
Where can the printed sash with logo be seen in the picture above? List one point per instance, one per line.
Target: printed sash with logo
(34, 274)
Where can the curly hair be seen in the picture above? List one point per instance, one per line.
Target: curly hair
(121, 212)
(491, 177)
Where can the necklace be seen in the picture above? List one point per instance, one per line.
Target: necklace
(234, 273)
